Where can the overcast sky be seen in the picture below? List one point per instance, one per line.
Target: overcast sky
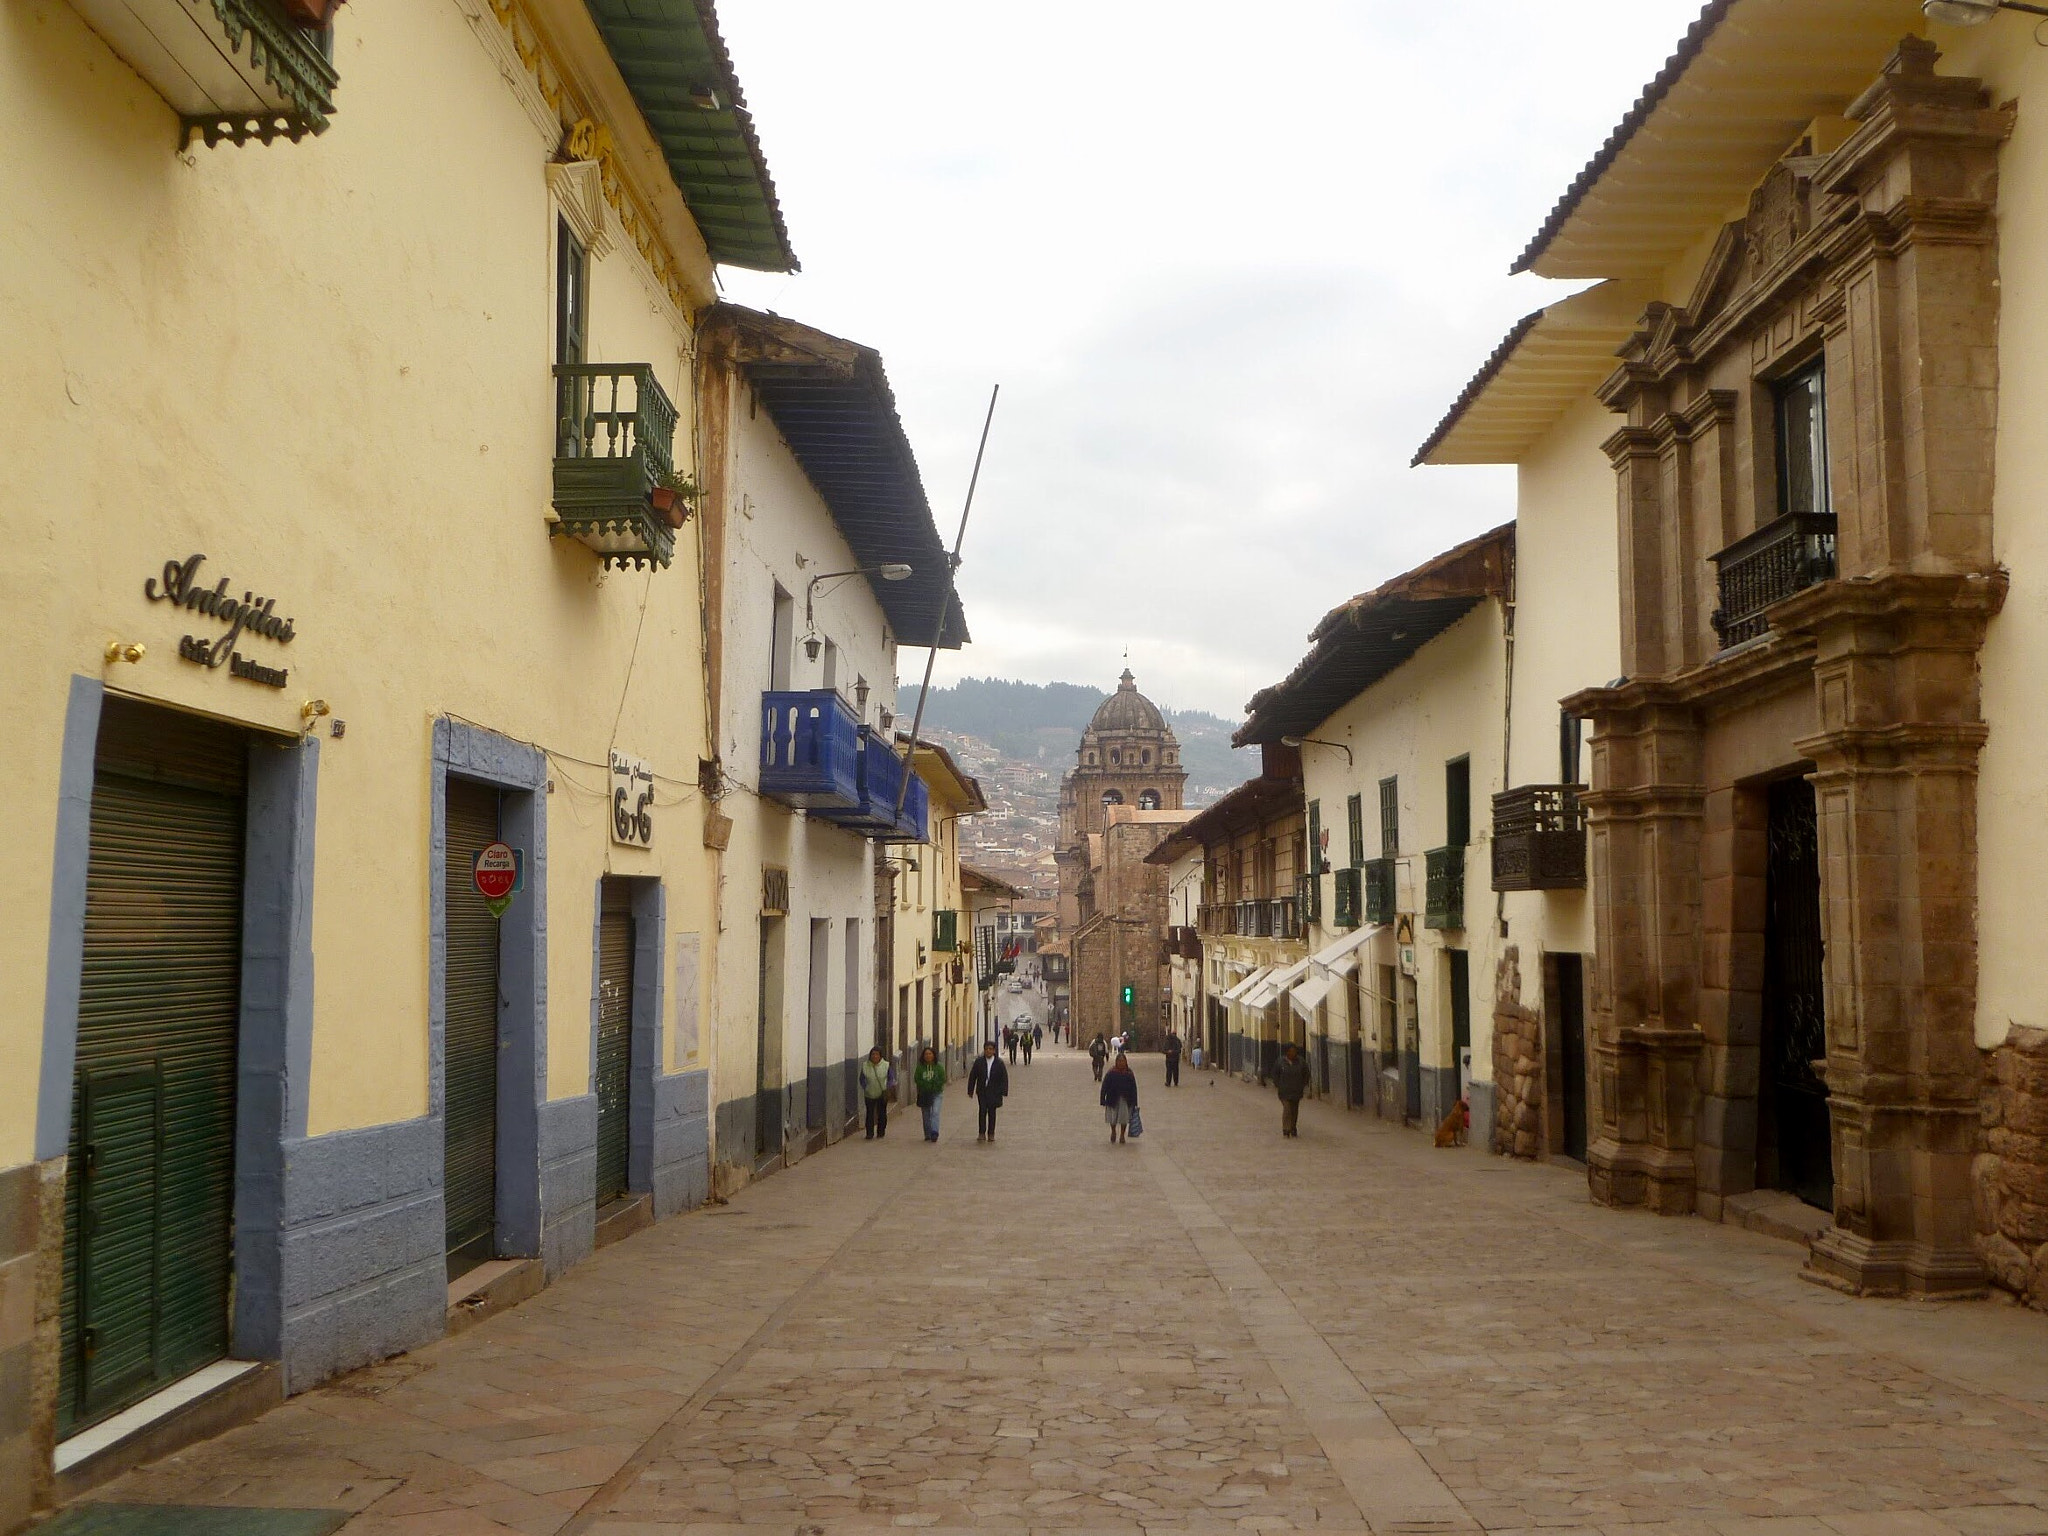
(1230, 263)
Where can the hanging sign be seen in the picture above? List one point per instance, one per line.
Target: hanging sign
(496, 873)
(632, 801)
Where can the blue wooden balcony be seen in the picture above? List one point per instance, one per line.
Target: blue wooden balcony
(914, 825)
(877, 778)
(810, 750)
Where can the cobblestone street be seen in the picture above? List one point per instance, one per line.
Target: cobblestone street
(1210, 1330)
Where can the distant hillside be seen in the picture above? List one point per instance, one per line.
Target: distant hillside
(1042, 722)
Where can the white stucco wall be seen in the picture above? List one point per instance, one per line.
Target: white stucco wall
(779, 531)
(1444, 703)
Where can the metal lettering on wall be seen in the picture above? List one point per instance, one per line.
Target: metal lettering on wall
(632, 801)
(251, 613)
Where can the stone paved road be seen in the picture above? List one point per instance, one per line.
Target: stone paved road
(1212, 1330)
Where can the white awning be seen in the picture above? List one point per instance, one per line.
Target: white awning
(1341, 958)
(1236, 993)
(1277, 981)
(1307, 994)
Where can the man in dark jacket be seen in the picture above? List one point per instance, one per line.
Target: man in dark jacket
(1290, 1080)
(1098, 1052)
(1172, 1058)
(989, 1081)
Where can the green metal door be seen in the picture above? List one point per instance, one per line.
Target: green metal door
(614, 1037)
(149, 1194)
(470, 1032)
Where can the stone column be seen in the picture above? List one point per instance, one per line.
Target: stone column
(1896, 780)
(1644, 817)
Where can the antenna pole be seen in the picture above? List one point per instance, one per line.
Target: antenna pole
(945, 603)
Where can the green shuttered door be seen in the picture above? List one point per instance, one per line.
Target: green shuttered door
(150, 1187)
(614, 1036)
(470, 1054)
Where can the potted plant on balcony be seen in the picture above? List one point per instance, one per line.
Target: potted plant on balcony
(313, 14)
(674, 497)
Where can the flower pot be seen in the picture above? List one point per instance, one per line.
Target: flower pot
(311, 13)
(671, 505)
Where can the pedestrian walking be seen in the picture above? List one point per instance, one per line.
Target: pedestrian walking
(989, 1081)
(1010, 1040)
(1038, 1037)
(1098, 1052)
(1172, 1059)
(874, 1092)
(1119, 1098)
(929, 1079)
(1024, 1038)
(1290, 1081)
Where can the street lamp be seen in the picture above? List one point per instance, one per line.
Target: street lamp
(1972, 13)
(1298, 742)
(893, 570)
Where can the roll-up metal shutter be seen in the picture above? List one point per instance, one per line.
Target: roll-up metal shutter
(149, 1194)
(614, 1036)
(470, 1039)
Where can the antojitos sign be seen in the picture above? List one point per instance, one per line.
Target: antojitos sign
(251, 614)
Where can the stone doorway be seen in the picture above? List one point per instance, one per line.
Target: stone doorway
(1793, 1144)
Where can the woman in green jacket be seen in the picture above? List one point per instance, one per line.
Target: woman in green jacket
(929, 1079)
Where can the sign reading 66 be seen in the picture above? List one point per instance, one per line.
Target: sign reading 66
(632, 801)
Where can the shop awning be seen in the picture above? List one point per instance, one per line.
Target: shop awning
(1307, 994)
(1341, 958)
(1277, 981)
(1236, 993)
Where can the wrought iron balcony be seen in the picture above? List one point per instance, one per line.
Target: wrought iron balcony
(1379, 890)
(1786, 555)
(615, 430)
(1443, 901)
(810, 750)
(231, 69)
(1539, 839)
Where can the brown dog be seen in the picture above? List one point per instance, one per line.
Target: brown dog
(1452, 1132)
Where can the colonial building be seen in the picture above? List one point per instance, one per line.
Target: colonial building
(1531, 405)
(1126, 774)
(1119, 965)
(934, 962)
(354, 614)
(1249, 852)
(821, 558)
(1815, 810)
(1187, 995)
(1397, 712)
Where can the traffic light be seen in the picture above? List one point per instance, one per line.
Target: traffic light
(1130, 1005)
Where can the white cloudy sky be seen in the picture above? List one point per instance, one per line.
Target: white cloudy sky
(1228, 262)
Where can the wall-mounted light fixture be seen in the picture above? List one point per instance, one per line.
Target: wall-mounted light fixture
(1298, 742)
(116, 651)
(1972, 13)
(893, 570)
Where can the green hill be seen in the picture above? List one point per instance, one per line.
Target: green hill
(1042, 722)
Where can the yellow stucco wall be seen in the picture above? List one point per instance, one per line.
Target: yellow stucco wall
(2012, 800)
(1567, 637)
(325, 365)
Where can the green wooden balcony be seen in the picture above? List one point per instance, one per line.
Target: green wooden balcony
(1443, 901)
(238, 70)
(615, 432)
(1380, 884)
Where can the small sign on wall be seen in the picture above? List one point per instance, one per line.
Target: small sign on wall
(632, 801)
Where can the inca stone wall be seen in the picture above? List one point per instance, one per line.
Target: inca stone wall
(2010, 1174)
(1517, 1063)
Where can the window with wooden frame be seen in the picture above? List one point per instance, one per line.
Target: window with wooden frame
(1458, 802)
(1354, 809)
(1390, 817)
(1800, 409)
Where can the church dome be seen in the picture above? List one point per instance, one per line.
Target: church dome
(1127, 710)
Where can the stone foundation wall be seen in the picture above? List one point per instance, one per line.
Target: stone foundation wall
(1517, 1063)
(2009, 1176)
